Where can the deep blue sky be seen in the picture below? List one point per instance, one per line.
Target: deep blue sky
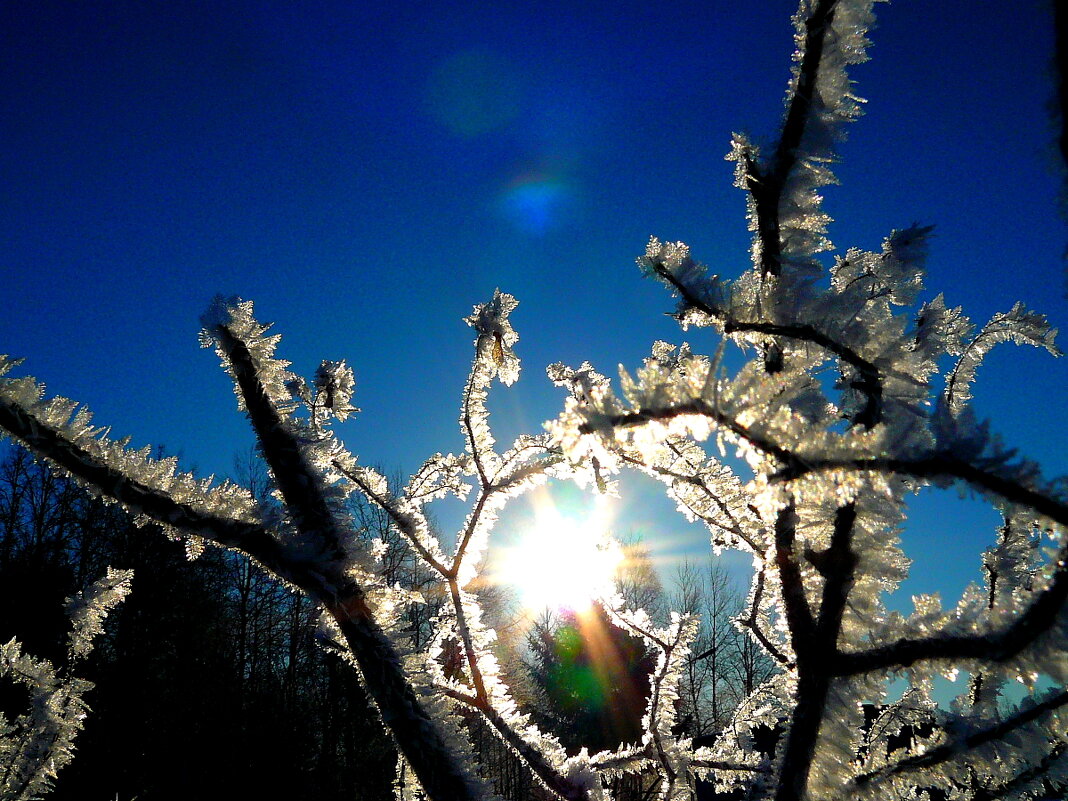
(366, 176)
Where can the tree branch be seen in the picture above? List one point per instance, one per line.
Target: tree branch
(750, 623)
(936, 465)
(798, 614)
(939, 464)
(1001, 646)
(403, 524)
(251, 538)
(814, 645)
(871, 383)
(766, 186)
(297, 482)
(1029, 775)
(417, 734)
(954, 748)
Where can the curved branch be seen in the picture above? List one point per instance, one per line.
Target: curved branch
(468, 533)
(701, 407)
(667, 770)
(468, 641)
(796, 608)
(384, 678)
(417, 736)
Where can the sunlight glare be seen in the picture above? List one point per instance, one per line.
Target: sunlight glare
(563, 563)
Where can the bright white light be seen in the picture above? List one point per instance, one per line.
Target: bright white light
(563, 563)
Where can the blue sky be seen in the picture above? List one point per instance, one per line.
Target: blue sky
(366, 176)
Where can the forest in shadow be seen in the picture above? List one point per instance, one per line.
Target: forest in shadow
(209, 682)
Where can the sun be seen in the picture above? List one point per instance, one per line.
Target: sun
(562, 562)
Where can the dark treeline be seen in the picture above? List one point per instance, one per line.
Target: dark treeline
(209, 680)
(212, 682)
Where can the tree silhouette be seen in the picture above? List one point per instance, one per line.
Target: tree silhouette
(594, 678)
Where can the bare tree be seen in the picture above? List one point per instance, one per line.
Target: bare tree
(748, 666)
(706, 698)
(637, 580)
(830, 470)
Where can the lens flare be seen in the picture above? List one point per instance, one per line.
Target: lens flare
(474, 92)
(535, 201)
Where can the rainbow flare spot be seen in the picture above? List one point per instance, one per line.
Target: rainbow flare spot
(535, 201)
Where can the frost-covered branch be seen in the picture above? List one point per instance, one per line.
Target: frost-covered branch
(404, 523)
(751, 621)
(1031, 775)
(871, 382)
(106, 468)
(36, 745)
(956, 746)
(297, 483)
(550, 776)
(814, 641)
(942, 465)
(1040, 618)
(996, 477)
(767, 183)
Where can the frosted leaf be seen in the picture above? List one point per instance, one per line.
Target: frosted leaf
(1011, 565)
(673, 258)
(496, 337)
(334, 384)
(218, 313)
(299, 389)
